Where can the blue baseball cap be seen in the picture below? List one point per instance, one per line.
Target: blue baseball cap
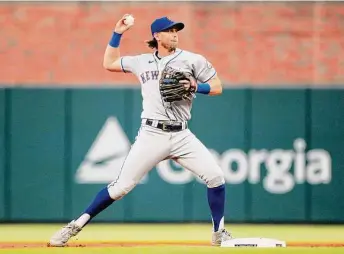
(164, 23)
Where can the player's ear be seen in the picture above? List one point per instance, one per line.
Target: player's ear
(156, 36)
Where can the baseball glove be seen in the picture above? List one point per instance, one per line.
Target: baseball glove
(176, 85)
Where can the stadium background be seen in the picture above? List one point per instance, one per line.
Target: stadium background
(282, 67)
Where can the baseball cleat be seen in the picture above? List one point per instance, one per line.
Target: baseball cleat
(61, 237)
(219, 236)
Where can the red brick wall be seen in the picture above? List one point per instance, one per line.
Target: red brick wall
(248, 43)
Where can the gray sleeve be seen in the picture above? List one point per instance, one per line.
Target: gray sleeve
(203, 69)
(130, 63)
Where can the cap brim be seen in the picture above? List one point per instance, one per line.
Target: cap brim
(177, 25)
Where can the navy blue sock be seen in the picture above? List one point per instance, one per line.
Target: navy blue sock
(216, 201)
(100, 202)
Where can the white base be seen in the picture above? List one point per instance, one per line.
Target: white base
(253, 242)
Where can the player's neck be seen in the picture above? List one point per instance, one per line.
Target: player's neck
(165, 52)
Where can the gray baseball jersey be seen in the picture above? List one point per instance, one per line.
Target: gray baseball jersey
(153, 145)
(148, 68)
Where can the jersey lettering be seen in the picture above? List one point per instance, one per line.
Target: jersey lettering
(148, 73)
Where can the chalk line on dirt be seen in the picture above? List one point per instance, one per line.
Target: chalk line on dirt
(21, 245)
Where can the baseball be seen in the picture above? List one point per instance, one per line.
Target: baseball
(129, 20)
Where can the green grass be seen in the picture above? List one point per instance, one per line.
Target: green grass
(171, 232)
(177, 232)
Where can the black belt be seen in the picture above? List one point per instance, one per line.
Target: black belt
(167, 126)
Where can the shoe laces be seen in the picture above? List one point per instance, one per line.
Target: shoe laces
(225, 233)
(70, 230)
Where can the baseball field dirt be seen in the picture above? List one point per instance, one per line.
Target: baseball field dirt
(168, 238)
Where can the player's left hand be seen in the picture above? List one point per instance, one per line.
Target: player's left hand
(189, 85)
(176, 85)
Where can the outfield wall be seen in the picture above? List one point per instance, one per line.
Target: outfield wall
(281, 151)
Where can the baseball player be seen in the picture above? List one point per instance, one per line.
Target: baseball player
(169, 79)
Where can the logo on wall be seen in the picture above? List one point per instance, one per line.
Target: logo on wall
(104, 159)
(277, 170)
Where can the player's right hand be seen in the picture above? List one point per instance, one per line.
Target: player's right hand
(121, 27)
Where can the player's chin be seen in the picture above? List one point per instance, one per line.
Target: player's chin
(173, 45)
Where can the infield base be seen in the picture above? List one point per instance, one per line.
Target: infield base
(255, 242)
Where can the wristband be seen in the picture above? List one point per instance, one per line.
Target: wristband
(203, 88)
(115, 40)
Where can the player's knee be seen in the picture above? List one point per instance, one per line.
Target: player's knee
(216, 181)
(118, 190)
